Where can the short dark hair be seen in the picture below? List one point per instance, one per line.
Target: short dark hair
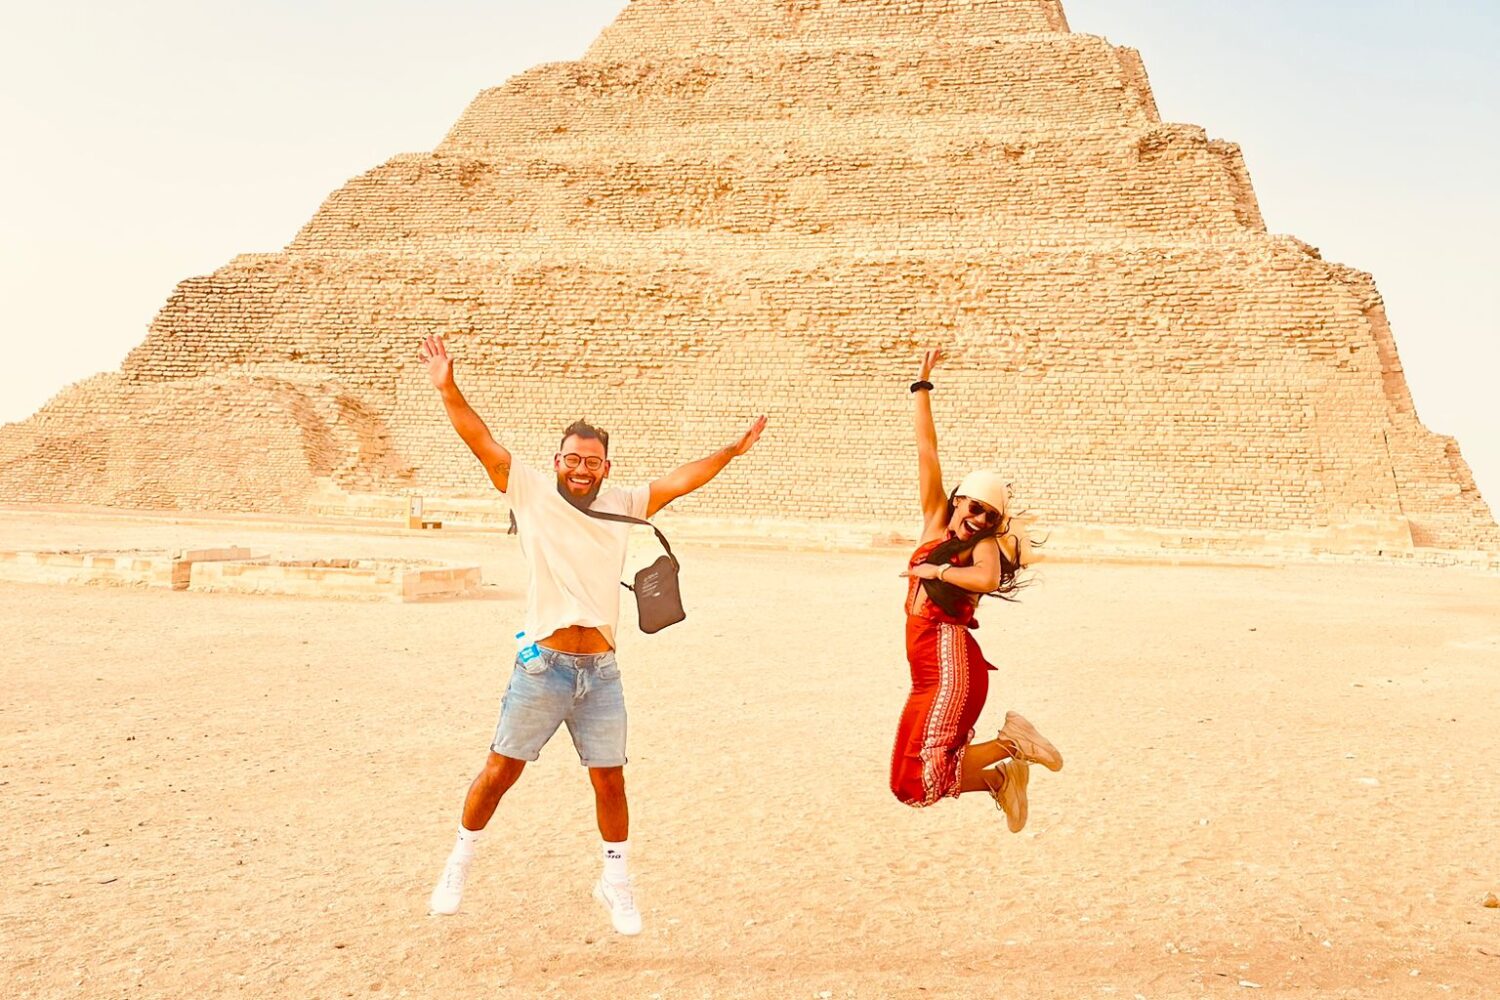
(584, 429)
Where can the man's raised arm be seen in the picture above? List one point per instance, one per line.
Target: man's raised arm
(494, 458)
(685, 479)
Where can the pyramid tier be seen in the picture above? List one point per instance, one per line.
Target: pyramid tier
(658, 27)
(1166, 181)
(1221, 386)
(228, 441)
(1434, 482)
(1042, 81)
(868, 135)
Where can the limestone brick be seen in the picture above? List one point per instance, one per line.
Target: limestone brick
(1056, 81)
(994, 187)
(673, 27)
(731, 207)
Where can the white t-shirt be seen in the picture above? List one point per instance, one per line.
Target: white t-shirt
(575, 560)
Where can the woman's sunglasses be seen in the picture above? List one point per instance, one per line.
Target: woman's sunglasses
(978, 511)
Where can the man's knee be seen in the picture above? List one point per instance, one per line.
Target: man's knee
(502, 769)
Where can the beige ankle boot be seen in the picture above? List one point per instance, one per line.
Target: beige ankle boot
(1032, 745)
(1007, 783)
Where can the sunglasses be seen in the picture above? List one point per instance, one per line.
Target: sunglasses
(979, 511)
(593, 463)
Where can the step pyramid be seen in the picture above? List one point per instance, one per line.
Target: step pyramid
(730, 207)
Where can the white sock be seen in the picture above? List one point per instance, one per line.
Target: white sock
(467, 841)
(614, 862)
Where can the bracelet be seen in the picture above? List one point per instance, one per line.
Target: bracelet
(921, 386)
(945, 567)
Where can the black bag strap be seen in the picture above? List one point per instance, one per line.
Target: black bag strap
(635, 520)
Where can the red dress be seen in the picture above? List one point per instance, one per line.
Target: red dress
(949, 682)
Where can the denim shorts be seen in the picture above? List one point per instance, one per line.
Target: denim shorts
(581, 689)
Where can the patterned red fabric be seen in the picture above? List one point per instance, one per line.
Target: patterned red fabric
(917, 602)
(949, 682)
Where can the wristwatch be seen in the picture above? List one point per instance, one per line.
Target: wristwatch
(945, 567)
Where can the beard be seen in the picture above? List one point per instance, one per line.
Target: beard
(581, 502)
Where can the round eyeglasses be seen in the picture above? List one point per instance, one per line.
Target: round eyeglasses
(573, 460)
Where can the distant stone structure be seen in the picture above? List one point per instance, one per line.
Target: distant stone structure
(237, 570)
(735, 206)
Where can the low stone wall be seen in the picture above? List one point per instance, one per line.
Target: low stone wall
(352, 579)
(120, 568)
(237, 570)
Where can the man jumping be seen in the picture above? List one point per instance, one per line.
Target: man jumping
(566, 670)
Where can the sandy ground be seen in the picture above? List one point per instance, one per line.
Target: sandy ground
(1277, 776)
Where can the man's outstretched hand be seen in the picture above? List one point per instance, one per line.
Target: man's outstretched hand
(434, 354)
(748, 439)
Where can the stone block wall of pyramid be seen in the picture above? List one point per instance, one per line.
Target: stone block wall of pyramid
(730, 207)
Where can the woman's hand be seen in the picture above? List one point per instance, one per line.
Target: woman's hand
(923, 571)
(929, 470)
(929, 362)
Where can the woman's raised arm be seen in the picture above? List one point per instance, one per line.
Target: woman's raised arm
(929, 469)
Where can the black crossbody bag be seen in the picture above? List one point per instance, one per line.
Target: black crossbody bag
(658, 601)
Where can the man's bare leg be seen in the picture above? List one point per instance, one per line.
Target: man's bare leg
(613, 889)
(610, 807)
(485, 793)
(488, 787)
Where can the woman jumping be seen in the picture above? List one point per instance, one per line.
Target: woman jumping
(968, 550)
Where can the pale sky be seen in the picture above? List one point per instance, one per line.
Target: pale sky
(150, 142)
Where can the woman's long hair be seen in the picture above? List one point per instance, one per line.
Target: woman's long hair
(951, 597)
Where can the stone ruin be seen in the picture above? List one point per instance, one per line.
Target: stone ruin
(237, 570)
(730, 207)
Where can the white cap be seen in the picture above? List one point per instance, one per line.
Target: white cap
(986, 487)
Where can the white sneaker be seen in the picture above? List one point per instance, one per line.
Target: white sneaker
(619, 899)
(450, 888)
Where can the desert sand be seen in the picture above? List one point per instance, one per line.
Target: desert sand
(1281, 781)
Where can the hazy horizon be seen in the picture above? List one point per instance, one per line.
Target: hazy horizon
(153, 144)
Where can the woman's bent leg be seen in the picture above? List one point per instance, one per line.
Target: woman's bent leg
(948, 690)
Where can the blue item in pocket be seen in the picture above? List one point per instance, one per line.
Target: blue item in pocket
(528, 651)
